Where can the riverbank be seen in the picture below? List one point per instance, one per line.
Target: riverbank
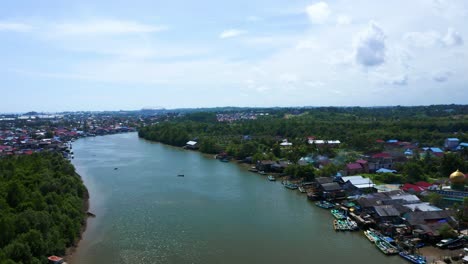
(71, 250)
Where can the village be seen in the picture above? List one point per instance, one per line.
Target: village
(398, 218)
(33, 133)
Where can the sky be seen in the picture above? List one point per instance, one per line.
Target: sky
(111, 55)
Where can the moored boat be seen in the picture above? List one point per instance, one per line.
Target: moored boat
(324, 204)
(337, 214)
(271, 178)
(291, 186)
(413, 258)
(302, 189)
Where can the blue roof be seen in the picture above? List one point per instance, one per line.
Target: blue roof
(392, 141)
(453, 139)
(437, 150)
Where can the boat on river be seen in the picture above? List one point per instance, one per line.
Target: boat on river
(291, 186)
(385, 247)
(302, 189)
(371, 236)
(337, 214)
(324, 204)
(271, 178)
(413, 258)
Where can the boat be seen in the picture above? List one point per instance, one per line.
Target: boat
(335, 225)
(338, 214)
(253, 169)
(116, 168)
(302, 189)
(180, 175)
(413, 258)
(324, 204)
(271, 178)
(291, 186)
(224, 160)
(385, 247)
(370, 235)
(262, 172)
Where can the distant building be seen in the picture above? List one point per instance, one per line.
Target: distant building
(451, 143)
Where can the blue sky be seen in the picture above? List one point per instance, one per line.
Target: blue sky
(111, 55)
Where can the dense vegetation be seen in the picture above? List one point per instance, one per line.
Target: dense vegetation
(42, 207)
(358, 128)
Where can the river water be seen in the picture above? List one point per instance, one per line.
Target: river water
(217, 213)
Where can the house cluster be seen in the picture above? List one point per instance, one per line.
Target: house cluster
(398, 213)
(19, 138)
(231, 117)
(396, 152)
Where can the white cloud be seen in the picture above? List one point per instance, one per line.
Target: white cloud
(370, 46)
(318, 13)
(107, 27)
(400, 80)
(452, 38)
(422, 39)
(232, 33)
(18, 27)
(441, 76)
(432, 38)
(343, 20)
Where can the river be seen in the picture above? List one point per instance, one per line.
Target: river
(217, 213)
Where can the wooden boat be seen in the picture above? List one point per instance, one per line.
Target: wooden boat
(335, 225)
(302, 189)
(271, 178)
(253, 169)
(324, 204)
(413, 258)
(180, 175)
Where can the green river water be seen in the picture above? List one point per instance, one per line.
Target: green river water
(217, 213)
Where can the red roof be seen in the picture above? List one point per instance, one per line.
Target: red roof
(411, 187)
(361, 161)
(381, 155)
(423, 184)
(28, 152)
(379, 141)
(353, 166)
(54, 258)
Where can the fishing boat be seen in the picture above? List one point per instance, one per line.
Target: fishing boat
(271, 178)
(371, 236)
(291, 186)
(253, 169)
(302, 189)
(335, 225)
(386, 247)
(338, 214)
(324, 204)
(413, 258)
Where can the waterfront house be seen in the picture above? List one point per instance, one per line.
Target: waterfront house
(264, 165)
(331, 191)
(387, 213)
(428, 223)
(191, 144)
(357, 185)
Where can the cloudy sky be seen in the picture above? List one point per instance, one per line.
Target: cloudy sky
(110, 55)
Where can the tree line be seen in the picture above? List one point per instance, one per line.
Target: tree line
(42, 207)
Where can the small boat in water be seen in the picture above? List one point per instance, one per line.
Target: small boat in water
(413, 258)
(338, 214)
(324, 204)
(271, 178)
(291, 186)
(302, 189)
